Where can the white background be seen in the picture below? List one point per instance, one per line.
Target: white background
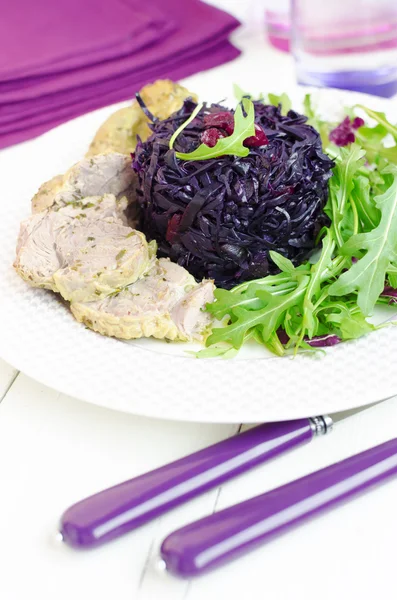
(54, 450)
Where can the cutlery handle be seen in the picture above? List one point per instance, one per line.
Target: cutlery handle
(124, 507)
(221, 536)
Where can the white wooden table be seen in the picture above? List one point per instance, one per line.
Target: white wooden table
(54, 450)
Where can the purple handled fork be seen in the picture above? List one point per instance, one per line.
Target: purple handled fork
(124, 507)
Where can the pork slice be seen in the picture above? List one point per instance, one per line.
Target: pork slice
(167, 304)
(109, 173)
(98, 207)
(101, 258)
(44, 198)
(37, 257)
(81, 258)
(189, 313)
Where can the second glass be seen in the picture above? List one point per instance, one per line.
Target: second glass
(350, 44)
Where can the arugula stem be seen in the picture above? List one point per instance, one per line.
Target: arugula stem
(269, 279)
(355, 216)
(274, 345)
(185, 124)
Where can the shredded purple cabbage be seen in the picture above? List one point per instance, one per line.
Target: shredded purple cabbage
(390, 293)
(282, 336)
(220, 217)
(324, 341)
(320, 341)
(343, 134)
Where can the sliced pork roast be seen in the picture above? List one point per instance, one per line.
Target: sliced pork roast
(80, 242)
(81, 257)
(166, 303)
(37, 258)
(109, 173)
(98, 207)
(100, 259)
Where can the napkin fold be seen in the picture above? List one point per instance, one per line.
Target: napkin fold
(44, 37)
(79, 55)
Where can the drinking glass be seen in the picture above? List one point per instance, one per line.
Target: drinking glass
(350, 44)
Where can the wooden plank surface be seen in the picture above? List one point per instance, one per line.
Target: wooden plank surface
(56, 450)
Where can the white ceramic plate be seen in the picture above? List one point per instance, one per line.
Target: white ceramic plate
(39, 336)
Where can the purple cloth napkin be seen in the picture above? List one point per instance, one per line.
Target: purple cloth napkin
(189, 37)
(48, 36)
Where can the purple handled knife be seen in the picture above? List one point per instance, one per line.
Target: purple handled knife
(119, 509)
(215, 539)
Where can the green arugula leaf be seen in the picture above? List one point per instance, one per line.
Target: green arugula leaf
(392, 279)
(355, 326)
(278, 305)
(283, 99)
(367, 275)
(350, 221)
(372, 140)
(378, 184)
(390, 154)
(341, 186)
(227, 301)
(273, 343)
(373, 135)
(308, 107)
(332, 311)
(392, 276)
(367, 211)
(314, 120)
(239, 93)
(283, 263)
(244, 127)
(380, 118)
(270, 317)
(185, 124)
(308, 321)
(346, 319)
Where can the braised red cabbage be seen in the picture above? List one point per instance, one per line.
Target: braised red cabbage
(390, 293)
(220, 217)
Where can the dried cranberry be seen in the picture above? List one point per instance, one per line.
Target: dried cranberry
(209, 137)
(223, 120)
(259, 139)
(172, 228)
